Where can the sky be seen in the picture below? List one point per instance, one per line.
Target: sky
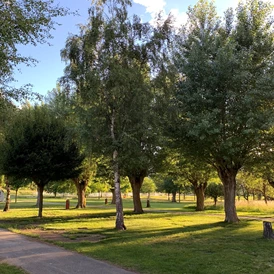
(44, 75)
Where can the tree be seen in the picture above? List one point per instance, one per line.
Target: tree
(16, 184)
(169, 186)
(23, 22)
(108, 72)
(81, 182)
(36, 147)
(214, 190)
(60, 187)
(225, 94)
(148, 187)
(198, 174)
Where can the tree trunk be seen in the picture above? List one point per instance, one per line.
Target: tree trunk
(228, 178)
(7, 205)
(81, 186)
(136, 184)
(148, 199)
(200, 194)
(119, 224)
(16, 194)
(174, 197)
(199, 189)
(38, 197)
(264, 193)
(215, 201)
(113, 200)
(268, 232)
(41, 190)
(119, 205)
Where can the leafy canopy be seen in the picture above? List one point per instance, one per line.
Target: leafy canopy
(36, 147)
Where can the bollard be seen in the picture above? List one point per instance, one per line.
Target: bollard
(106, 201)
(67, 204)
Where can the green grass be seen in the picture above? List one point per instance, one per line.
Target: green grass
(9, 269)
(179, 240)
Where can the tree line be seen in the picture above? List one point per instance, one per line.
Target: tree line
(139, 99)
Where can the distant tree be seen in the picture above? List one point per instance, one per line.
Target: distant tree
(148, 187)
(18, 183)
(214, 191)
(104, 174)
(197, 173)
(36, 147)
(60, 187)
(84, 179)
(170, 187)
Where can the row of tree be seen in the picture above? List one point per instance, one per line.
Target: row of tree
(138, 99)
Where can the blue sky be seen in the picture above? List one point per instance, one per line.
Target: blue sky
(44, 75)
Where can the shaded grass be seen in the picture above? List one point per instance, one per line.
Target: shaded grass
(178, 241)
(9, 269)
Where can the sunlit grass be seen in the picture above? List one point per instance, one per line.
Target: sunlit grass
(167, 238)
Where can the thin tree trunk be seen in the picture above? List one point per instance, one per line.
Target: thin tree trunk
(136, 184)
(16, 194)
(7, 205)
(119, 205)
(119, 224)
(113, 200)
(41, 190)
(148, 199)
(38, 197)
(228, 178)
(264, 193)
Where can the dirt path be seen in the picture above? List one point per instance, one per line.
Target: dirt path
(42, 258)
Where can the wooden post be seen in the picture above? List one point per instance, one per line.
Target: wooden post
(268, 232)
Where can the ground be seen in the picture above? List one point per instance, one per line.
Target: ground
(62, 235)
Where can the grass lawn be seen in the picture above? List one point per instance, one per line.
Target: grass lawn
(167, 238)
(9, 269)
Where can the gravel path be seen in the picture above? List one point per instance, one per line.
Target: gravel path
(42, 258)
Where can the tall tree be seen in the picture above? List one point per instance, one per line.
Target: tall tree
(109, 72)
(225, 95)
(36, 147)
(23, 22)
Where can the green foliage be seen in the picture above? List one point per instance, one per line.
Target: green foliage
(148, 186)
(18, 183)
(214, 191)
(60, 187)
(169, 185)
(36, 147)
(225, 95)
(23, 23)
(108, 70)
(223, 106)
